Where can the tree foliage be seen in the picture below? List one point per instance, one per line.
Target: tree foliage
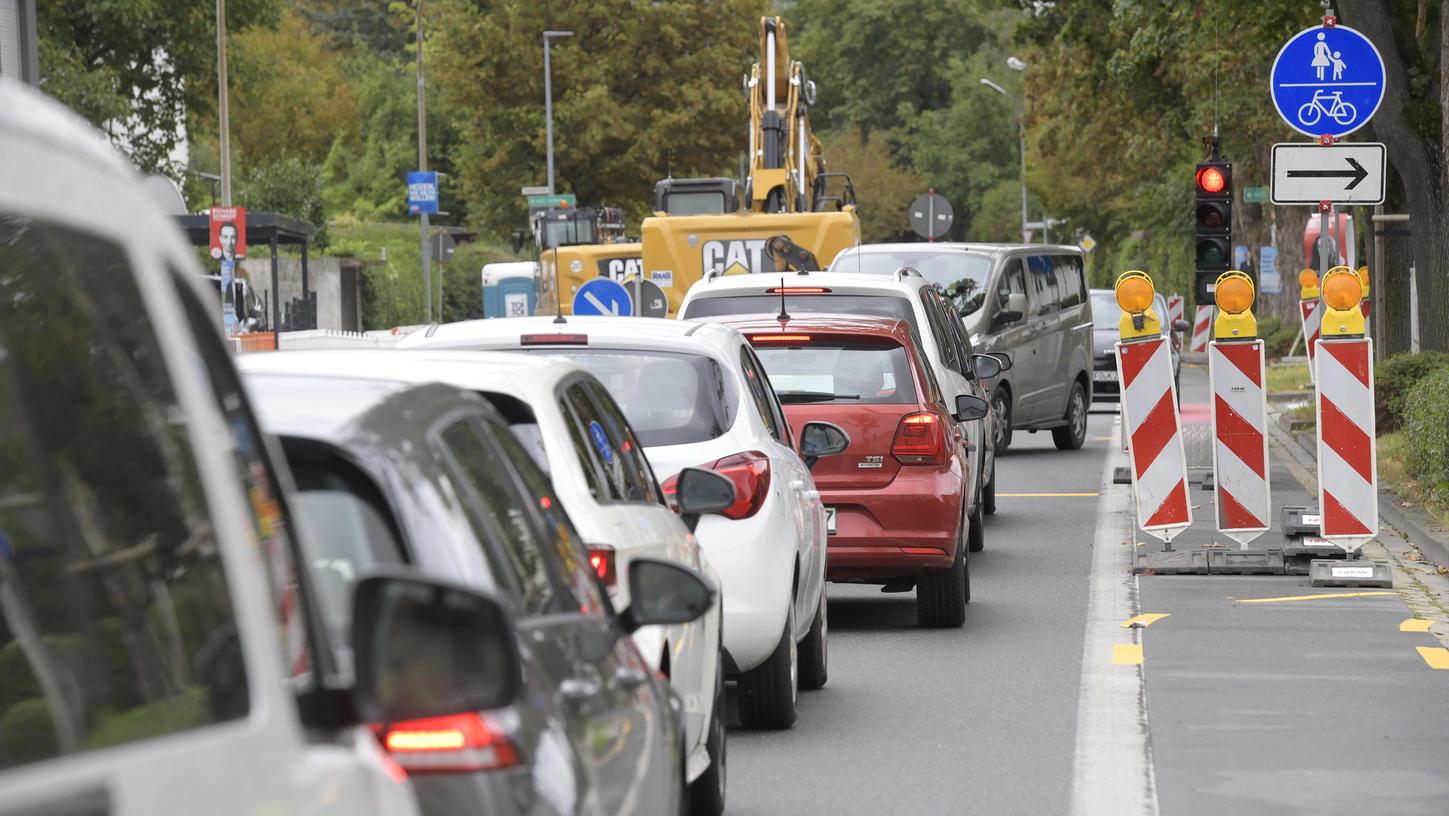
(883, 189)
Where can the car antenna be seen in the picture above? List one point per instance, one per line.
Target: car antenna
(557, 291)
(783, 315)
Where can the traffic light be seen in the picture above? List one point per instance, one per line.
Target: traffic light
(1213, 221)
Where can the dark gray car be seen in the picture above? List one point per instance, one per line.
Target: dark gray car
(428, 478)
(1105, 316)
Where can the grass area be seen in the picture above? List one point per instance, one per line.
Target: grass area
(1393, 451)
(1303, 413)
(1283, 378)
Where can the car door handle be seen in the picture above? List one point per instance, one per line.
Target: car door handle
(578, 690)
(629, 679)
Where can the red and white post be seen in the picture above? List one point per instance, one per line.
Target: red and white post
(1240, 438)
(1154, 432)
(1348, 497)
(1202, 329)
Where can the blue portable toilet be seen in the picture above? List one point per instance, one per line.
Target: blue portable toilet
(510, 289)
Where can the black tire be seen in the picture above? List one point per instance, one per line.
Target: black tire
(815, 650)
(768, 691)
(976, 537)
(942, 594)
(1001, 408)
(1072, 435)
(988, 496)
(707, 793)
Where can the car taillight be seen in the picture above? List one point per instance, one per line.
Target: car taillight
(750, 471)
(797, 290)
(779, 338)
(601, 559)
(553, 340)
(458, 743)
(920, 440)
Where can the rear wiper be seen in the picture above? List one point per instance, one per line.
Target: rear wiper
(813, 396)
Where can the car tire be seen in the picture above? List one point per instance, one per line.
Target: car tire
(707, 793)
(988, 495)
(768, 691)
(815, 649)
(976, 536)
(1072, 435)
(1001, 408)
(942, 594)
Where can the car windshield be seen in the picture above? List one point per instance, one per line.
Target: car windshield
(838, 370)
(889, 305)
(669, 398)
(960, 276)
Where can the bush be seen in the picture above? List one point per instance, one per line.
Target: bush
(1426, 422)
(1394, 383)
(27, 733)
(1277, 336)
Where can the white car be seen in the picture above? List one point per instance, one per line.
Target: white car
(697, 396)
(576, 433)
(905, 295)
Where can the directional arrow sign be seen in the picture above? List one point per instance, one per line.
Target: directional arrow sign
(1344, 173)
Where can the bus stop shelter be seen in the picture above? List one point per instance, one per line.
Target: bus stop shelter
(263, 228)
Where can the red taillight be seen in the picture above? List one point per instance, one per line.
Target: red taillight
(920, 440)
(601, 559)
(750, 471)
(797, 290)
(554, 340)
(459, 743)
(779, 338)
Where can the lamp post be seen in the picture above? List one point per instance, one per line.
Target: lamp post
(548, 98)
(1016, 65)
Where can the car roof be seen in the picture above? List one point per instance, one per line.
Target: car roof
(892, 327)
(332, 408)
(963, 246)
(28, 114)
(845, 282)
(603, 332)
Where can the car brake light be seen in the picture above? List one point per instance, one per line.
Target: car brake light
(554, 340)
(797, 290)
(919, 440)
(779, 338)
(458, 743)
(750, 471)
(601, 559)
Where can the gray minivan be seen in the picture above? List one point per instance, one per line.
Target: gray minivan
(1028, 300)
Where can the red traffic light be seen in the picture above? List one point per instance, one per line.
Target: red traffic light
(1211, 179)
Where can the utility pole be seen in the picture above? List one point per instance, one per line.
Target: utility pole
(222, 103)
(548, 99)
(423, 165)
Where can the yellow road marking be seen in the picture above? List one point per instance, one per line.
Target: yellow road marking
(1130, 654)
(1436, 656)
(1048, 495)
(1144, 620)
(1414, 625)
(1315, 597)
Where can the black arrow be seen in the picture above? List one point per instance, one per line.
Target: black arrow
(1357, 174)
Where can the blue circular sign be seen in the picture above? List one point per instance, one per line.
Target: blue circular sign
(603, 296)
(1327, 81)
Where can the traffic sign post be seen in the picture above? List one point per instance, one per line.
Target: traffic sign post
(648, 297)
(602, 296)
(1344, 173)
(931, 215)
(1327, 81)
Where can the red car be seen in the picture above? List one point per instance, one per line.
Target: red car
(896, 500)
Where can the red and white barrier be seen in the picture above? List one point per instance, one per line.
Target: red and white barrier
(1348, 498)
(1154, 431)
(1202, 330)
(1240, 438)
(1174, 310)
(1311, 319)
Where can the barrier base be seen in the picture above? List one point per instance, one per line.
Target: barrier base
(1336, 573)
(1122, 475)
(1245, 562)
(1171, 562)
(1300, 521)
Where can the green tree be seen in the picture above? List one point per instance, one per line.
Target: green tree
(884, 189)
(290, 186)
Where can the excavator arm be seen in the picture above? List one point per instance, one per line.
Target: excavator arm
(785, 155)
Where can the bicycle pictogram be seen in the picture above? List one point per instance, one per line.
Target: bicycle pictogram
(1340, 111)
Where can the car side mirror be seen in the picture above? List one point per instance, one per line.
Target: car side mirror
(425, 648)
(821, 439)
(699, 491)
(1015, 310)
(1180, 325)
(1001, 357)
(970, 408)
(985, 366)
(663, 593)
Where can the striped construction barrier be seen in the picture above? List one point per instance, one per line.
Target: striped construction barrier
(1202, 330)
(1348, 497)
(1240, 438)
(1154, 433)
(1174, 311)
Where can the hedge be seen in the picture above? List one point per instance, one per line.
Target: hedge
(1394, 382)
(1426, 422)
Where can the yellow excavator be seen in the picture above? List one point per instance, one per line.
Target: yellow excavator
(709, 226)
(575, 245)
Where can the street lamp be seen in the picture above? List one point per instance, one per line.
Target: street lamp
(1021, 139)
(548, 97)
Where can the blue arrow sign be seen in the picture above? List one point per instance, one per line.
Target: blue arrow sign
(603, 296)
(1327, 81)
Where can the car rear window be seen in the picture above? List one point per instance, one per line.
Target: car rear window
(838, 369)
(884, 305)
(959, 276)
(669, 398)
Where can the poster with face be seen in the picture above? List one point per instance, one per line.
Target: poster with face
(228, 233)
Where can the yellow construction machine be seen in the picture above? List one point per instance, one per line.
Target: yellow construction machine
(575, 245)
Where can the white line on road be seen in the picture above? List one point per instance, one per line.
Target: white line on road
(1112, 774)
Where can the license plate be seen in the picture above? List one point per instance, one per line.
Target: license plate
(830, 520)
(1104, 376)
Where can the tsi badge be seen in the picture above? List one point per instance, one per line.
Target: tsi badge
(740, 257)
(620, 268)
(867, 462)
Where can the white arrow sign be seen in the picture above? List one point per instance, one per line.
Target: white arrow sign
(1344, 173)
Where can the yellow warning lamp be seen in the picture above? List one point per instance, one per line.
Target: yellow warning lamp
(1342, 293)
(1234, 294)
(1307, 285)
(1135, 294)
(1363, 276)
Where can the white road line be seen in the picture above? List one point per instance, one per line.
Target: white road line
(1112, 774)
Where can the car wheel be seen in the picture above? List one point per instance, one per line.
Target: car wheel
(707, 793)
(1001, 414)
(988, 496)
(942, 594)
(976, 537)
(1071, 435)
(768, 691)
(815, 650)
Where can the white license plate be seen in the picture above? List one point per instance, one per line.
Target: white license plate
(830, 520)
(1104, 376)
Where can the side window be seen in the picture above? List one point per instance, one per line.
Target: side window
(637, 477)
(478, 464)
(776, 408)
(933, 387)
(117, 623)
(588, 455)
(963, 342)
(939, 332)
(600, 450)
(1012, 282)
(757, 384)
(1043, 283)
(1071, 283)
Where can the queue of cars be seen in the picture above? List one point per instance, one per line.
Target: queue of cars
(513, 566)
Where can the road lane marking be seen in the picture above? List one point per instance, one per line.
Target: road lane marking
(1415, 625)
(1144, 620)
(1127, 654)
(1112, 770)
(1047, 495)
(1316, 597)
(1436, 656)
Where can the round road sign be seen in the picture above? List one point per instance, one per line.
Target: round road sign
(931, 215)
(602, 296)
(1327, 81)
(650, 297)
